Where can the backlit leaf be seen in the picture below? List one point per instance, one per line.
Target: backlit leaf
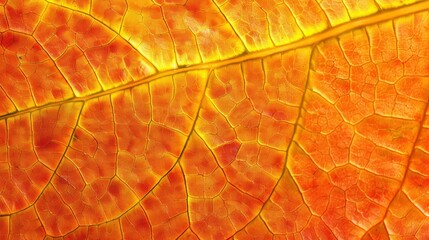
(222, 119)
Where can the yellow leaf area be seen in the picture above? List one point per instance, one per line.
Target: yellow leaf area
(214, 119)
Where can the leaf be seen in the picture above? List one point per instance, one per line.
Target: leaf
(214, 119)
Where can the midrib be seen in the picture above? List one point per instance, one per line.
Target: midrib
(307, 41)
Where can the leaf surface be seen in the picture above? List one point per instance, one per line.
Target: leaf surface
(198, 119)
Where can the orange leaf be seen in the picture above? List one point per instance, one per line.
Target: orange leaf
(198, 119)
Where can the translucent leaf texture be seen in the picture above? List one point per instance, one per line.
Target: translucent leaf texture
(222, 119)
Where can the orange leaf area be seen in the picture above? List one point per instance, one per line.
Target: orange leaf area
(222, 119)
